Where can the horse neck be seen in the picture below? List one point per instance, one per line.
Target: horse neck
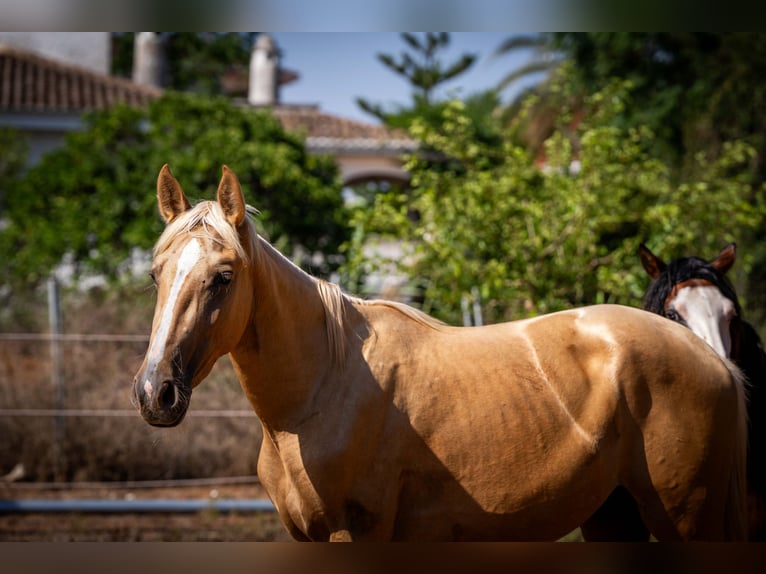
(284, 353)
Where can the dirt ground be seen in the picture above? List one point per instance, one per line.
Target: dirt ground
(146, 526)
(140, 527)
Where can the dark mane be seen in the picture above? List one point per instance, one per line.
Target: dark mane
(684, 269)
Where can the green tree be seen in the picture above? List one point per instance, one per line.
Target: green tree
(13, 157)
(537, 239)
(541, 105)
(93, 201)
(425, 71)
(699, 92)
(696, 90)
(545, 60)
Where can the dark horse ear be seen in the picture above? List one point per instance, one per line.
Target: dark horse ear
(653, 264)
(231, 199)
(170, 197)
(725, 258)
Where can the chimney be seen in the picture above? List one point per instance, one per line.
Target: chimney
(264, 71)
(148, 59)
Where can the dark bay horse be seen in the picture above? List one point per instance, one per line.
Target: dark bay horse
(380, 423)
(697, 294)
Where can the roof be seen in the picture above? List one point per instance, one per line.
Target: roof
(29, 82)
(33, 83)
(333, 134)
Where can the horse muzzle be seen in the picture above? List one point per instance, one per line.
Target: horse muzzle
(163, 403)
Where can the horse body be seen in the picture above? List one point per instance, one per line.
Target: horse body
(383, 424)
(445, 434)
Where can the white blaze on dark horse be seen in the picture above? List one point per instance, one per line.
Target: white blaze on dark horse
(694, 293)
(708, 313)
(381, 423)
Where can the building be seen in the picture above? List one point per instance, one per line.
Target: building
(48, 80)
(45, 96)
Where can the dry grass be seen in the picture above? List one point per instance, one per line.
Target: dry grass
(98, 375)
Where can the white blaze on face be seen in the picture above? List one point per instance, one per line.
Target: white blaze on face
(186, 262)
(708, 313)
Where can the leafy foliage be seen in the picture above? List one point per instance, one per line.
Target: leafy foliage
(700, 93)
(535, 239)
(13, 156)
(93, 201)
(695, 90)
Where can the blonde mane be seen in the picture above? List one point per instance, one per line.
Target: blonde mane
(334, 302)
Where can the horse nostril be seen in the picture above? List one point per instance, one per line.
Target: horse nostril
(166, 398)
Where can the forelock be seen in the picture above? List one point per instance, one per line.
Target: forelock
(207, 219)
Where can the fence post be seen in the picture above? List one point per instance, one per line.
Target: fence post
(478, 320)
(57, 376)
(472, 303)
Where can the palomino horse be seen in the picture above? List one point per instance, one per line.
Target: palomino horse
(697, 293)
(381, 423)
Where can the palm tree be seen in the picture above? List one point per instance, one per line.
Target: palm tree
(539, 119)
(547, 58)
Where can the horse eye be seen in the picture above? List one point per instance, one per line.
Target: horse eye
(153, 277)
(223, 278)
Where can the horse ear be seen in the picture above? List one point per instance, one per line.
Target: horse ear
(231, 199)
(653, 264)
(725, 258)
(170, 197)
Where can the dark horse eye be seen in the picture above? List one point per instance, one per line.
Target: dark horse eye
(153, 277)
(223, 278)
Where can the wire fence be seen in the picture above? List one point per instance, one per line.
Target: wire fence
(140, 484)
(66, 417)
(93, 338)
(73, 443)
(74, 337)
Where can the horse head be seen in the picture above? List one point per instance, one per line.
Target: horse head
(203, 292)
(695, 293)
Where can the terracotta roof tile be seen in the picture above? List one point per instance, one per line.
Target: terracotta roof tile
(333, 132)
(29, 82)
(32, 83)
(317, 124)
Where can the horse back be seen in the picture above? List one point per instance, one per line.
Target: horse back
(609, 355)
